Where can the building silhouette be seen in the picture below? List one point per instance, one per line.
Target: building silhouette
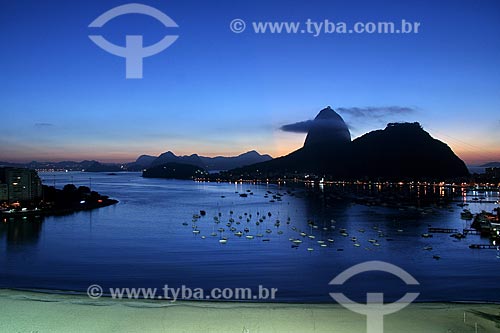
(19, 184)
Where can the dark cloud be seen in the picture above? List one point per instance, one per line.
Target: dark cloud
(299, 127)
(305, 126)
(355, 112)
(43, 125)
(376, 112)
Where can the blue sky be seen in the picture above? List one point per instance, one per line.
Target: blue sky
(216, 92)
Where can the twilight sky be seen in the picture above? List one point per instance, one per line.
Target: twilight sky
(215, 92)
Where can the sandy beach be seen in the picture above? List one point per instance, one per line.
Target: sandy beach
(37, 312)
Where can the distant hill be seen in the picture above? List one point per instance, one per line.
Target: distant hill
(401, 150)
(101, 167)
(63, 165)
(207, 163)
(170, 157)
(10, 164)
(174, 171)
(145, 161)
(491, 165)
(227, 163)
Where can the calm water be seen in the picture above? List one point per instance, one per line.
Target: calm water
(141, 242)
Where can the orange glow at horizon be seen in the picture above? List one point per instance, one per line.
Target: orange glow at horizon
(279, 144)
(478, 158)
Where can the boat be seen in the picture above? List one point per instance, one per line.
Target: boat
(466, 215)
(458, 235)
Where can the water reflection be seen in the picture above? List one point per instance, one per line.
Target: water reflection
(143, 242)
(20, 231)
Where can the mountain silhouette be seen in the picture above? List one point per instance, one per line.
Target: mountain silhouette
(401, 150)
(169, 157)
(174, 171)
(227, 163)
(328, 128)
(102, 167)
(404, 149)
(207, 163)
(145, 160)
(491, 165)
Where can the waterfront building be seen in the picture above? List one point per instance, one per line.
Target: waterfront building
(19, 184)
